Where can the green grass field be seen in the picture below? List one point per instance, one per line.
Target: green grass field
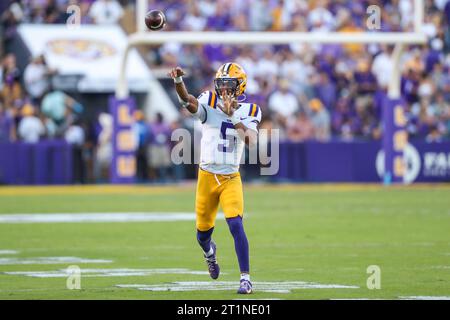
(320, 235)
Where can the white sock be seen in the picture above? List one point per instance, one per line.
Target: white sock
(245, 276)
(210, 252)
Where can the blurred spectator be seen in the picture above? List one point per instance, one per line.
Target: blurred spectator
(434, 135)
(282, 101)
(53, 13)
(267, 66)
(325, 89)
(281, 17)
(142, 135)
(7, 124)
(426, 88)
(341, 118)
(106, 12)
(76, 136)
(36, 78)
(194, 21)
(9, 19)
(259, 18)
(85, 6)
(61, 109)
(382, 67)
(346, 23)
(442, 111)
(347, 130)
(207, 7)
(11, 87)
(300, 128)
(365, 81)
(30, 127)
(320, 119)
(415, 64)
(320, 18)
(103, 156)
(293, 68)
(159, 150)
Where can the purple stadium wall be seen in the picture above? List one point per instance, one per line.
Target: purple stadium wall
(50, 162)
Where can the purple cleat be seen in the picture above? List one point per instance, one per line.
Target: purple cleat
(245, 287)
(213, 267)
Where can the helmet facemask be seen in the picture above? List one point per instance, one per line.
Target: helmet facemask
(229, 86)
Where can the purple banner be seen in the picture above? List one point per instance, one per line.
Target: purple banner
(50, 162)
(395, 139)
(361, 162)
(123, 166)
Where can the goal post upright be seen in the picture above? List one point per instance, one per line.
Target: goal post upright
(419, 13)
(393, 140)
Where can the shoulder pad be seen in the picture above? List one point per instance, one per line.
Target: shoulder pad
(208, 98)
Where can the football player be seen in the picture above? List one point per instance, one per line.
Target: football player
(228, 124)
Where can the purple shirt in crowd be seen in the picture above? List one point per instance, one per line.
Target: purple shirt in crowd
(161, 133)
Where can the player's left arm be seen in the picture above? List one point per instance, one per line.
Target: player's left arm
(249, 135)
(248, 130)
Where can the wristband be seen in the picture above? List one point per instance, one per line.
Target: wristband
(178, 79)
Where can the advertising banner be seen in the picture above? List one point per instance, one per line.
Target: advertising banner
(123, 165)
(361, 162)
(395, 139)
(92, 53)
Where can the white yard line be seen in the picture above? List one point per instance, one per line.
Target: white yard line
(87, 217)
(243, 299)
(425, 298)
(270, 287)
(91, 273)
(49, 260)
(9, 252)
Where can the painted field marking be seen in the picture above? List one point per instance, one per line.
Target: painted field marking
(270, 287)
(49, 260)
(20, 191)
(356, 299)
(91, 273)
(86, 217)
(188, 187)
(243, 299)
(9, 252)
(425, 298)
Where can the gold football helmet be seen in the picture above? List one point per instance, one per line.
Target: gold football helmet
(230, 76)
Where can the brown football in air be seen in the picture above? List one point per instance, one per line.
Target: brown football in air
(155, 20)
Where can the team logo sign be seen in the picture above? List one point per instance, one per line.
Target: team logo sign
(411, 157)
(81, 48)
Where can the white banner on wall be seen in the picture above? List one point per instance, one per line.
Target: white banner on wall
(93, 52)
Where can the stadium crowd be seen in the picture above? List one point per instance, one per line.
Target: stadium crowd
(321, 92)
(309, 92)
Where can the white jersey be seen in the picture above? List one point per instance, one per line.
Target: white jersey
(221, 146)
